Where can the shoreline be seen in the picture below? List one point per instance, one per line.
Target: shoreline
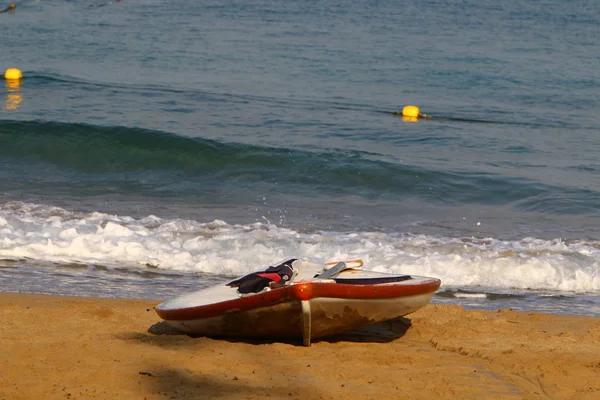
(54, 346)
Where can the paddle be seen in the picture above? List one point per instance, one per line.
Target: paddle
(338, 268)
(357, 263)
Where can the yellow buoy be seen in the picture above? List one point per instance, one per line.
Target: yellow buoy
(13, 73)
(411, 111)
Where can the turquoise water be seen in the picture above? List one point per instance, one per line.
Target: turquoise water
(207, 139)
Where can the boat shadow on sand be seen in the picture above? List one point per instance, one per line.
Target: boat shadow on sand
(205, 368)
(244, 367)
(382, 332)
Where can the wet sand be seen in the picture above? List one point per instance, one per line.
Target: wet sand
(54, 347)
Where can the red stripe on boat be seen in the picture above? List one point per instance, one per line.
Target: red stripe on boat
(302, 291)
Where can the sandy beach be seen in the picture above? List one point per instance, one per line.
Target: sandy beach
(54, 347)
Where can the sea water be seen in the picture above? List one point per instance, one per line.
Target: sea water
(155, 147)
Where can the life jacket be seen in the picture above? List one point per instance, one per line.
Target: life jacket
(257, 281)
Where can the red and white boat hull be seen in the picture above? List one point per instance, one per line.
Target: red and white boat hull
(307, 309)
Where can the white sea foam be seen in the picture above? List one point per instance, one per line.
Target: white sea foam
(471, 295)
(50, 234)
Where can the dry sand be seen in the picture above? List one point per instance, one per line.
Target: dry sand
(54, 347)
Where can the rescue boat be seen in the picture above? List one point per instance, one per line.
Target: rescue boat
(298, 300)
